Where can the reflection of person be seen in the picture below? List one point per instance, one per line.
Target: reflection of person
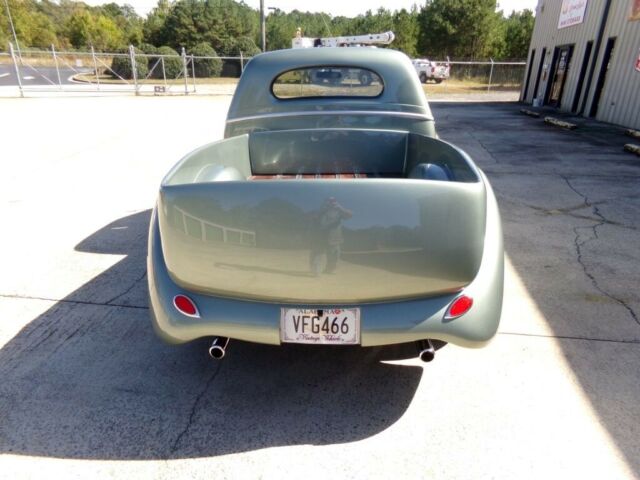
(327, 236)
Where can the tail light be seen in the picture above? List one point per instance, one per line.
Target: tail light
(459, 307)
(186, 306)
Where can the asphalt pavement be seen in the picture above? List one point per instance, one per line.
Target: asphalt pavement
(88, 391)
(37, 75)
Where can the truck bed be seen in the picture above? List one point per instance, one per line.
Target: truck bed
(323, 217)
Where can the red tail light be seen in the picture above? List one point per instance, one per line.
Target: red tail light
(186, 306)
(459, 307)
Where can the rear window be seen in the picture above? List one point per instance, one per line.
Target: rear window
(327, 82)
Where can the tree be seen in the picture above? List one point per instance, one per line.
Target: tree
(78, 28)
(459, 28)
(5, 38)
(518, 31)
(405, 27)
(33, 28)
(206, 67)
(172, 64)
(190, 22)
(153, 26)
(121, 65)
(85, 29)
(281, 29)
(232, 47)
(127, 20)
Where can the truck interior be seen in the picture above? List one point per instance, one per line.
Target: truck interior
(325, 153)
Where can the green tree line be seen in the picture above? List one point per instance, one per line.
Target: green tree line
(460, 29)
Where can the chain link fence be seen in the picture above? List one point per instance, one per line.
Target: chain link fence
(132, 71)
(32, 70)
(495, 75)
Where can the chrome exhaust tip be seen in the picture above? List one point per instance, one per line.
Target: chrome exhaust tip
(426, 350)
(218, 348)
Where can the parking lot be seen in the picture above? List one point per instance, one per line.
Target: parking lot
(88, 390)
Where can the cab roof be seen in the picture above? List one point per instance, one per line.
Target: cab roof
(402, 89)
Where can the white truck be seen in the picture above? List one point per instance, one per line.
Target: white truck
(428, 70)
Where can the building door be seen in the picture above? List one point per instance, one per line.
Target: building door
(604, 69)
(560, 72)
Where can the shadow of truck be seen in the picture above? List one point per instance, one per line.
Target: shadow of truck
(88, 379)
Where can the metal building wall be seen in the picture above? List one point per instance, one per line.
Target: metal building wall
(546, 34)
(620, 100)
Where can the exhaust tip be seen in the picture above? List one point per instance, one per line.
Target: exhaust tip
(426, 350)
(216, 352)
(427, 355)
(218, 348)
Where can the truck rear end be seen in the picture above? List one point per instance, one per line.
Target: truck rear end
(372, 221)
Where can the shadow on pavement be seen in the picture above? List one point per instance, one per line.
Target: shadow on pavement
(570, 206)
(89, 379)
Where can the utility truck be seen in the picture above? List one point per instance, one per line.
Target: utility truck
(428, 70)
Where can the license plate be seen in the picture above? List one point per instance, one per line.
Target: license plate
(326, 326)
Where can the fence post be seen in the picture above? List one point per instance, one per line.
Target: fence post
(186, 73)
(134, 70)
(164, 74)
(446, 83)
(95, 66)
(241, 63)
(490, 75)
(17, 69)
(55, 59)
(193, 73)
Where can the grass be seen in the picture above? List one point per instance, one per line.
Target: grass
(467, 86)
(109, 80)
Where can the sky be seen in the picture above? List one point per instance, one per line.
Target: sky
(332, 7)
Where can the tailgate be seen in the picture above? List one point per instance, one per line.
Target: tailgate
(323, 241)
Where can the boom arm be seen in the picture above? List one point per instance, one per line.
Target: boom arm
(369, 39)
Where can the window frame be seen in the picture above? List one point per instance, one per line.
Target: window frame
(327, 66)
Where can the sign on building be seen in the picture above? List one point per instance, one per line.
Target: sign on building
(635, 10)
(572, 13)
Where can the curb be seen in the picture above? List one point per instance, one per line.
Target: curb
(631, 148)
(559, 123)
(632, 133)
(530, 113)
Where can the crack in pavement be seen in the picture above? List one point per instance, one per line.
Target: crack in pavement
(194, 408)
(78, 302)
(135, 282)
(568, 211)
(484, 147)
(579, 244)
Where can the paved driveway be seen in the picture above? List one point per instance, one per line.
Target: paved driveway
(38, 75)
(86, 389)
